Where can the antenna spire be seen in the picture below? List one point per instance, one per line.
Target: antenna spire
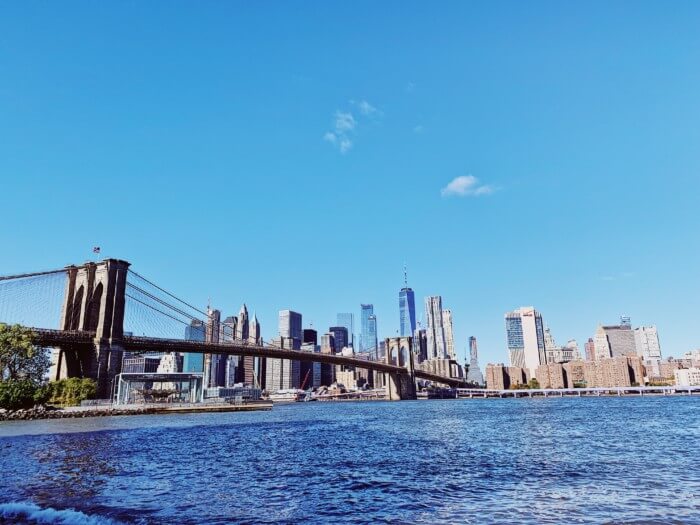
(405, 276)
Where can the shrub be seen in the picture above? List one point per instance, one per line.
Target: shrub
(18, 393)
(70, 392)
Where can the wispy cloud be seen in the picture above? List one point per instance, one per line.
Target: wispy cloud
(418, 129)
(466, 186)
(366, 109)
(345, 125)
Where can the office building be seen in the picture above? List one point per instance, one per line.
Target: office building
(449, 336)
(327, 370)
(211, 361)
(347, 320)
(474, 374)
(407, 310)
(310, 336)
(589, 348)
(435, 331)
(290, 325)
(368, 329)
(525, 338)
(646, 340)
(420, 345)
(194, 363)
(340, 337)
(687, 376)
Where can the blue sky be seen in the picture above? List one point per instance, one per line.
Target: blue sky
(295, 155)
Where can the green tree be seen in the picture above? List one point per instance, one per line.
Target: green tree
(20, 358)
(17, 393)
(533, 383)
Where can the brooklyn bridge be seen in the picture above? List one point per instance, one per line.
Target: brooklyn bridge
(91, 313)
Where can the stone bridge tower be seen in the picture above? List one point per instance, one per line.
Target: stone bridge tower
(399, 352)
(94, 302)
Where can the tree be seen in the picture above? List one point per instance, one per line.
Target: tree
(534, 384)
(20, 358)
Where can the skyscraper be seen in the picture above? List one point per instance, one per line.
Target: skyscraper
(407, 309)
(525, 338)
(290, 325)
(449, 337)
(285, 373)
(347, 320)
(368, 327)
(474, 375)
(310, 336)
(615, 340)
(211, 361)
(194, 363)
(435, 331)
(589, 348)
(340, 334)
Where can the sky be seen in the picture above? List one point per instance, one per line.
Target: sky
(298, 154)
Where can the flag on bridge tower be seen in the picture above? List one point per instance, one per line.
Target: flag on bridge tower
(96, 249)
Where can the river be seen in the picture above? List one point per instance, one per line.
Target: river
(570, 460)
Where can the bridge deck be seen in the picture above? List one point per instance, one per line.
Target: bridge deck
(44, 337)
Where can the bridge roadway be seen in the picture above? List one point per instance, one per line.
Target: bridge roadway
(50, 338)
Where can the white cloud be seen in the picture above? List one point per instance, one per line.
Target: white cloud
(466, 185)
(344, 122)
(345, 125)
(367, 109)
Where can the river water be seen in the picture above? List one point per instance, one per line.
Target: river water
(589, 460)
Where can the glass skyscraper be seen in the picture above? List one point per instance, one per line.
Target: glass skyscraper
(525, 338)
(348, 321)
(407, 312)
(368, 327)
(194, 363)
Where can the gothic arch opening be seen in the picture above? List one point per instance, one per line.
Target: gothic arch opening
(92, 316)
(76, 308)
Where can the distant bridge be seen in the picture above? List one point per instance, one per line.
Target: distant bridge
(91, 337)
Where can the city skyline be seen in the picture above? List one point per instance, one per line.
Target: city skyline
(467, 145)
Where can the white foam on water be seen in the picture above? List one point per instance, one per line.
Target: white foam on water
(24, 512)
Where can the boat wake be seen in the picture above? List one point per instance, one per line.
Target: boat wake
(29, 513)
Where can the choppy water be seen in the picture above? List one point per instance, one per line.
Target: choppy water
(613, 460)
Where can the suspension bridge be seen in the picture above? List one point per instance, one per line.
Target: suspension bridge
(91, 314)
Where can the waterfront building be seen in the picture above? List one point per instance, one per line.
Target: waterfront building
(574, 373)
(142, 364)
(668, 368)
(601, 344)
(407, 311)
(551, 375)
(687, 376)
(368, 326)
(517, 376)
(525, 338)
(589, 348)
(474, 374)
(437, 346)
(615, 340)
(646, 340)
(495, 377)
(449, 336)
(347, 320)
(616, 371)
(194, 363)
(340, 337)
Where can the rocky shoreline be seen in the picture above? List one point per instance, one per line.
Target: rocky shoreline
(49, 412)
